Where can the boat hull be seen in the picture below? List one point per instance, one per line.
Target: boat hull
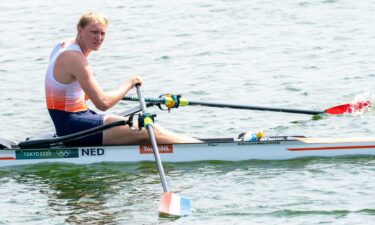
(272, 149)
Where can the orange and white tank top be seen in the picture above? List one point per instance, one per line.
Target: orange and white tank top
(64, 97)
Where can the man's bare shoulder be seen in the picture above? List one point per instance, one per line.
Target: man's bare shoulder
(73, 63)
(72, 58)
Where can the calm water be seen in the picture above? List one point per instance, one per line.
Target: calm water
(292, 53)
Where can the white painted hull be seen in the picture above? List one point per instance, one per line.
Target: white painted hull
(272, 149)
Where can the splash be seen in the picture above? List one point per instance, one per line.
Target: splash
(366, 98)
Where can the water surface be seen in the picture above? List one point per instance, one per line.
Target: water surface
(294, 54)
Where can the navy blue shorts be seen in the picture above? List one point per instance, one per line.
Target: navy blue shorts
(73, 122)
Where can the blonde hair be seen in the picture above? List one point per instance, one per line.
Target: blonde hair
(92, 17)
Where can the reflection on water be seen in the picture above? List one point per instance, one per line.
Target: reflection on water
(98, 194)
(121, 193)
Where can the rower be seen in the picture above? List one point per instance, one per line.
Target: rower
(69, 83)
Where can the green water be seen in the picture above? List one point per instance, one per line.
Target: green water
(308, 191)
(299, 54)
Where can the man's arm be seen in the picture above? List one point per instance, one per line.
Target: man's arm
(81, 71)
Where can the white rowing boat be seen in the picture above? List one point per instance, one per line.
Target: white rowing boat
(226, 149)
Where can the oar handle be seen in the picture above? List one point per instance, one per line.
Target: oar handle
(141, 100)
(151, 134)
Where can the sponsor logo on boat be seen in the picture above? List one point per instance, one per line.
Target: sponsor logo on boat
(147, 149)
(47, 154)
(92, 151)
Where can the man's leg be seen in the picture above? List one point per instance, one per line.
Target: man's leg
(124, 135)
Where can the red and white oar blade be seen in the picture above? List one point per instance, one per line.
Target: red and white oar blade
(348, 108)
(174, 205)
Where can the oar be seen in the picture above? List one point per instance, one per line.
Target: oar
(134, 110)
(46, 143)
(171, 204)
(348, 108)
(340, 109)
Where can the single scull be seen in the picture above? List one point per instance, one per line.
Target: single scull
(225, 149)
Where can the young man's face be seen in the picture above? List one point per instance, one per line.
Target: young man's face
(93, 35)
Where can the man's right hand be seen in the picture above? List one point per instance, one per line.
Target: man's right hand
(133, 80)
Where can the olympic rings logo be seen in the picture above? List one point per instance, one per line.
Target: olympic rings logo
(63, 153)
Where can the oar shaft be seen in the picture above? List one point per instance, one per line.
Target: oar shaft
(233, 106)
(157, 158)
(261, 108)
(153, 142)
(135, 110)
(45, 143)
(146, 99)
(141, 99)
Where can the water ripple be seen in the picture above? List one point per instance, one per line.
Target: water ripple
(295, 54)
